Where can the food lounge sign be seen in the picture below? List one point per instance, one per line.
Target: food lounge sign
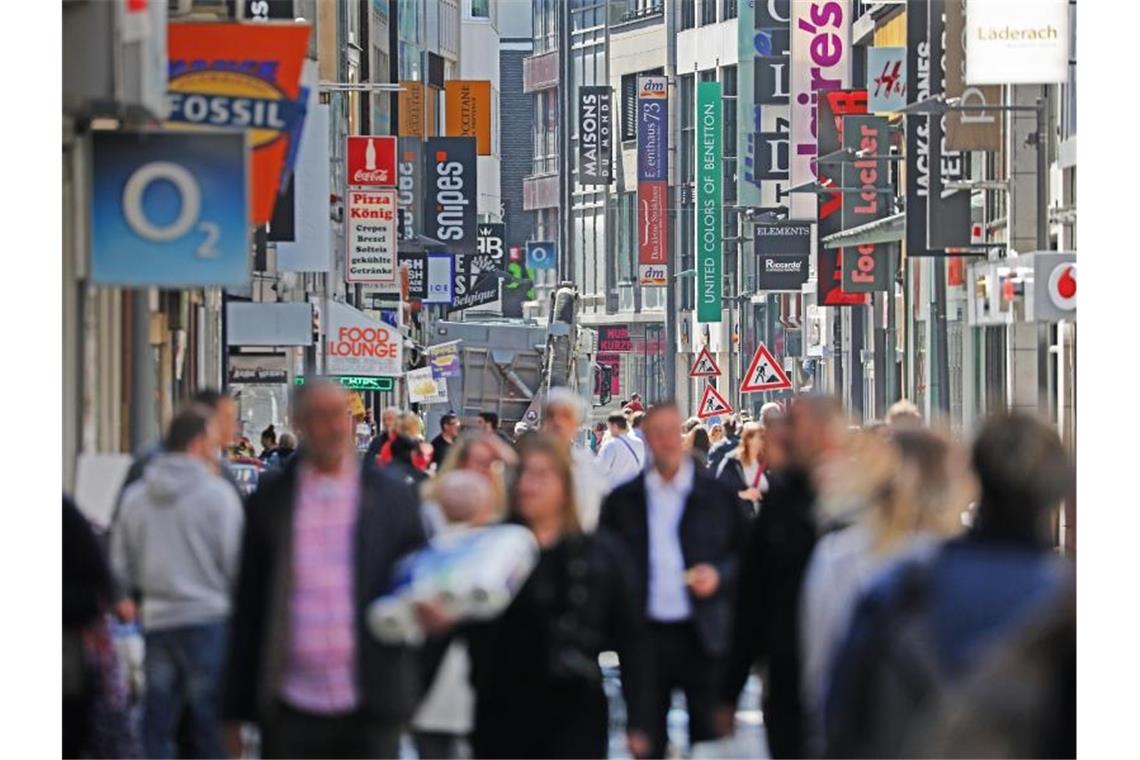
(356, 344)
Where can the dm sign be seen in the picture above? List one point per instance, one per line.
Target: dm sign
(169, 210)
(244, 76)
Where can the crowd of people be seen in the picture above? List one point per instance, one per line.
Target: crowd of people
(896, 590)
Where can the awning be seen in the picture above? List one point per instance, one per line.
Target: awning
(889, 229)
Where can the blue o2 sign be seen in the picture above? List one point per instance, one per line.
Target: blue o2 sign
(169, 210)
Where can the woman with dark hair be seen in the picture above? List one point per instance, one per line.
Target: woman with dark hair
(697, 443)
(268, 444)
(535, 668)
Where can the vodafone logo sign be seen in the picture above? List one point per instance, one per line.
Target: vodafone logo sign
(1063, 287)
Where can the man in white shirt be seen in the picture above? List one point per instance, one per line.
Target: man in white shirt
(562, 418)
(622, 456)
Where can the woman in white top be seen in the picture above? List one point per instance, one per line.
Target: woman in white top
(743, 470)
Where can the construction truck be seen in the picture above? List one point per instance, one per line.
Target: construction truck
(509, 366)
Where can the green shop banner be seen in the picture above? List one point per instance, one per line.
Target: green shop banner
(710, 191)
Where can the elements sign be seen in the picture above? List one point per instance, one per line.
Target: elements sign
(595, 136)
(710, 191)
(450, 192)
(783, 250)
(371, 237)
(652, 179)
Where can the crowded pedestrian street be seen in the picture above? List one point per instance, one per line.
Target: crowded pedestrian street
(451, 379)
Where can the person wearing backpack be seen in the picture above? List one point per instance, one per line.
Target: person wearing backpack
(927, 625)
(622, 456)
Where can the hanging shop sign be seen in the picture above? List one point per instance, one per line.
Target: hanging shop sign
(469, 111)
(1017, 41)
(311, 247)
(710, 203)
(169, 209)
(440, 278)
(425, 388)
(652, 180)
(357, 344)
(541, 254)
(947, 211)
(357, 382)
(886, 79)
(595, 135)
(258, 92)
(783, 251)
(712, 404)
(371, 237)
(917, 128)
(450, 192)
(865, 268)
(614, 339)
(833, 107)
(821, 62)
(1054, 286)
(762, 53)
(371, 161)
(444, 360)
(410, 101)
(409, 185)
(476, 281)
(764, 373)
(977, 128)
(415, 263)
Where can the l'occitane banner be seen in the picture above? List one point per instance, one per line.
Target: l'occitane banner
(469, 111)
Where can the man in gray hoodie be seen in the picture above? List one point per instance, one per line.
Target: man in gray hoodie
(177, 546)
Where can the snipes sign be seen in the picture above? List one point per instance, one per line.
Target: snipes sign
(245, 76)
(450, 198)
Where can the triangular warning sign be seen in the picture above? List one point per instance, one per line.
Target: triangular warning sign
(712, 404)
(705, 365)
(764, 373)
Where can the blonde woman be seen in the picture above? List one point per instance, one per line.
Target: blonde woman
(743, 470)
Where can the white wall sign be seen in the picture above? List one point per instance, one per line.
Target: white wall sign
(424, 388)
(1017, 41)
(356, 344)
(371, 221)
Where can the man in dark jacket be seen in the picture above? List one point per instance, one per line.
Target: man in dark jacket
(685, 535)
(321, 541)
(767, 610)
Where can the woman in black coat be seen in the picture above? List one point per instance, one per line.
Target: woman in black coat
(743, 470)
(535, 668)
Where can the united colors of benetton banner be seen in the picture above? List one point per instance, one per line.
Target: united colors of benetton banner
(652, 180)
(258, 91)
(710, 203)
(595, 136)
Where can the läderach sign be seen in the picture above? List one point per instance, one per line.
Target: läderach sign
(358, 382)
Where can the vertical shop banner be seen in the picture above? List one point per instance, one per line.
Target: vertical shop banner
(652, 180)
(833, 106)
(747, 111)
(917, 127)
(357, 344)
(477, 274)
(469, 111)
(886, 79)
(821, 62)
(371, 238)
(595, 136)
(416, 264)
(710, 202)
(614, 339)
(409, 185)
(782, 251)
(865, 266)
(411, 105)
(978, 128)
(947, 211)
(169, 209)
(440, 278)
(311, 249)
(451, 192)
(769, 130)
(371, 161)
(260, 94)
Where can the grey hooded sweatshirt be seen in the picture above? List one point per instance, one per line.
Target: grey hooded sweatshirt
(178, 543)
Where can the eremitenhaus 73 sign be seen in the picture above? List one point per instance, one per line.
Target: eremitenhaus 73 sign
(371, 237)
(595, 136)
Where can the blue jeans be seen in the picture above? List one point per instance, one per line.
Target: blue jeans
(183, 675)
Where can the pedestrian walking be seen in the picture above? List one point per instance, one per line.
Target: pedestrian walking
(286, 446)
(635, 421)
(903, 415)
(779, 547)
(562, 419)
(489, 423)
(379, 451)
(268, 444)
(449, 426)
(742, 471)
(622, 456)
(723, 439)
(697, 446)
(321, 543)
(928, 624)
(685, 535)
(535, 668)
(635, 404)
(411, 426)
(176, 545)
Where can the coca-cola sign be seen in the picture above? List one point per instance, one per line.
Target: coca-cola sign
(371, 161)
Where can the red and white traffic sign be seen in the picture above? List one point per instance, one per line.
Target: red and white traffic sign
(371, 161)
(705, 365)
(712, 404)
(764, 373)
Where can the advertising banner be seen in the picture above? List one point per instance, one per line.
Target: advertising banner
(416, 264)
(477, 275)
(652, 180)
(762, 71)
(310, 251)
(356, 344)
(451, 192)
(410, 103)
(469, 111)
(444, 360)
(783, 250)
(1017, 41)
(833, 107)
(409, 185)
(169, 209)
(978, 129)
(541, 254)
(821, 62)
(440, 278)
(747, 112)
(258, 93)
(917, 128)
(865, 266)
(371, 161)
(425, 388)
(710, 202)
(371, 237)
(947, 211)
(886, 79)
(595, 136)
(614, 339)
